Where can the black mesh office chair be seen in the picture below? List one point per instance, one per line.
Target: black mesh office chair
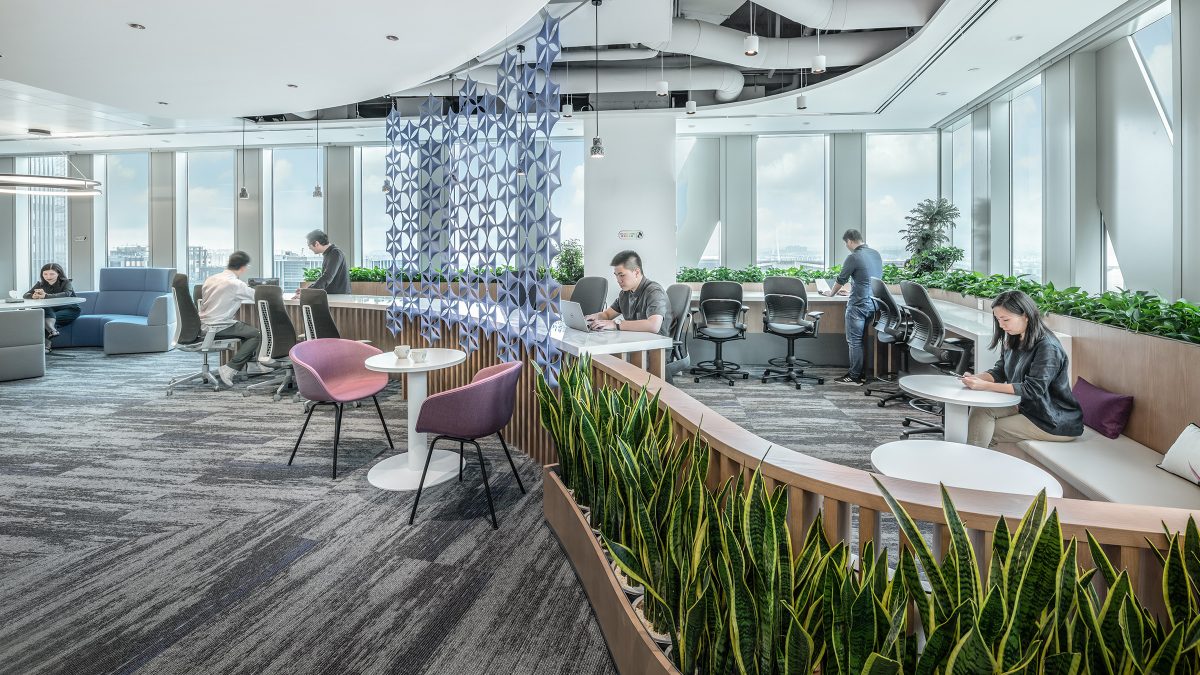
(785, 314)
(318, 321)
(278, 338)
(928, 344)
(722, 318)
(892, 327)
(191, 337)
(680, 298)
(591, 294)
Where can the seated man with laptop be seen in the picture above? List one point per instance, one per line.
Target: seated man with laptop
(642, 304)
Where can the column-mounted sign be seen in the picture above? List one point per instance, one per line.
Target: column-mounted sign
(630, 234)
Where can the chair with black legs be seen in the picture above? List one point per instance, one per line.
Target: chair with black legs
(679, 296)
(892, 328)
(785, 314)
(591, 293)
(929, 345)
(722, 318)
(490, 398)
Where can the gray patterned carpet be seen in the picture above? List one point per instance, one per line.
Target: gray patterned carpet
(140, 533)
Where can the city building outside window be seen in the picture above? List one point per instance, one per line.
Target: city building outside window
(295, 213)
(127, 194)
(211, 204)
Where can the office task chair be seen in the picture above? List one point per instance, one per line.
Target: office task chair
(928, 344)
(318, 321)
(278, 338)
(191, 337)
(892, 327)
(785, 313)
(591, 293)
(722, 319)
(680, 298)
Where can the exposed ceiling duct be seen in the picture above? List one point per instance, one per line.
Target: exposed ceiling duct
(712, 11)
(718, 43)
(616, 54)
(724, 81)
(854, 14)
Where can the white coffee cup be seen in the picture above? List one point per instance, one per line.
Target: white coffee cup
(14, 295)
(402, 351)
(420, 356)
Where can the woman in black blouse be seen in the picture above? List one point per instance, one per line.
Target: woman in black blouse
(1032, 365)
(54, 284)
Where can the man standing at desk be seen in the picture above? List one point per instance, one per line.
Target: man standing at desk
(335, 273)
(862, 264)
(640, 306)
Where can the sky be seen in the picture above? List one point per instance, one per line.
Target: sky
(126, 189)
(212, 181)
(901, 171)
(790, 196)
(296, 211)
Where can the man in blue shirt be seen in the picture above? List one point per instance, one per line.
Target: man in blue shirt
(862, 264)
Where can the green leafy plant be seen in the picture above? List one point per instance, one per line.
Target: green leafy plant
(567, 266)
(936, 259)
(929, 225)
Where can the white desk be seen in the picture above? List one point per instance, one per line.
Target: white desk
(649, 348)
(964, 466)
(958, 400)
(403, 472)
(39, 304)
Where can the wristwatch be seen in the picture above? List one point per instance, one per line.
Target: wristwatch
(617, 322)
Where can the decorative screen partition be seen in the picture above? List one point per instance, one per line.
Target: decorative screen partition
(472, 181)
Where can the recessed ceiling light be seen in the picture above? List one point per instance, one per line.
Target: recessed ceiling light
(293, 86)
(145, 124)
(393, 38)
(39, 132)
(747, 124)
(262, 138)
(691, 126)
(136, 26)
(807, 123)
(166, 141)
(163, 103)
(360, 135)
(971, 70)
(942, 93)
(1016, 38)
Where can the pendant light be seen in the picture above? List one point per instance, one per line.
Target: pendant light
(690, 106)
(243, 193)
(50, 186)
(663, 87)
(818, 62)
(568, 110)
(317, 190)
(750, 44)
(802, 99)
(597, 151)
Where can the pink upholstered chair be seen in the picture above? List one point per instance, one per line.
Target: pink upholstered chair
(489, 399)
(333, 372)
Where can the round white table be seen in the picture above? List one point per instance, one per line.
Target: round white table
(403, 472)
(39, 304)
(963, 466)
(958, 400)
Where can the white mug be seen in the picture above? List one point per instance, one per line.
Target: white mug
(420, 356)
(402, 351)
(14, 295)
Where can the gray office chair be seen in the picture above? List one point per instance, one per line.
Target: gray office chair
(928, 344)
(318, 321)
(680, 298)
(785, 314)
(722, 319)
(278, 338)
(892, 327)
(591, 293)
(191, 337)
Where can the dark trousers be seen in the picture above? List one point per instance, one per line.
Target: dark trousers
(250, 338)
(61, 315)
(857, 316)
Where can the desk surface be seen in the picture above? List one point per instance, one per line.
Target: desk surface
(963, 466)
(579, 343)
(38, 304)
(388, 362)
(949, 390)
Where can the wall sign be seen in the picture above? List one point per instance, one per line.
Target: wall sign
(630, 234)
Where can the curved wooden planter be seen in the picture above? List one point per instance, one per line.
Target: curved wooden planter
(632, 649)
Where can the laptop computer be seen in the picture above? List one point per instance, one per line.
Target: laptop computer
(572, 316)
(263, 281)
(823, 286)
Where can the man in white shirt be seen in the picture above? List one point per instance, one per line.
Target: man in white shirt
(224, 295)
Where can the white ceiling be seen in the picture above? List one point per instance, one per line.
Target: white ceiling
(229, 58)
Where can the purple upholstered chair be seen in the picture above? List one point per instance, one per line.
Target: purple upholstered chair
(332, 372)
(470, 412)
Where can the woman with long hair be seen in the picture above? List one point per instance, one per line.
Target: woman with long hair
(54, 284)
(1032, 365)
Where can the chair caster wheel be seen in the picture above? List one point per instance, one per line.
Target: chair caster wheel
(905, 423)
(731, 384)
(881, 404)
(745, 376)
(169, 392)
(245, 394)
(821, 381)
(696, 380)
(904, 435)
(764, 380)
(866, 392)
(276, 398)
(797, 387)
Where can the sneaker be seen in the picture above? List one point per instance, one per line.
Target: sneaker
(258, 369)
(226, 374)
(849, 379)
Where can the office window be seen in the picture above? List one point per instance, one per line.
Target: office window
(567, 201)
(295, 212)
(1113, 279)
(127, 191)
(790, 187)
(211, 221)
(1026, 139)
(961, 195)
(698, 202)
(47, 219)
(901, 171)
(373, 202)
(1153, 45)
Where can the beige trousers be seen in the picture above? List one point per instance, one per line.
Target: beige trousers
(988, 426)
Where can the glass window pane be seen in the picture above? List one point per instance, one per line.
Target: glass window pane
(1027, 183)
(961, 192)
(1154, 44)
(698, 201)
(375, 220)
(789, 184)
(567, 201)
(211, 200)
(1113, 279)
(47, 218)
(127, 191)
(295, 212)
(901, 171)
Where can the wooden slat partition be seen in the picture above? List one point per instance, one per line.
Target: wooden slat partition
(1128, 529)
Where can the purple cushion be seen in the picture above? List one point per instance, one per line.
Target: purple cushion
(1103, 410)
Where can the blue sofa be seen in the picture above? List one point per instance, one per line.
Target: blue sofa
(133, 312)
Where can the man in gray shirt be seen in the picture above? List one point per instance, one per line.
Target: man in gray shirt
(862, 264)
(640, 306)
(335, 272)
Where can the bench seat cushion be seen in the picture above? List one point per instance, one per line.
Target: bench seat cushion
(1114, 470)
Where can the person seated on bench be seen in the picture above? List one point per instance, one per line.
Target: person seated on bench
(224, 294)
(1032, 365)
(54, 284)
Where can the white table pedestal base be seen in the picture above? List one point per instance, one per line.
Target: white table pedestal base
(956, 422)
(400, 473)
